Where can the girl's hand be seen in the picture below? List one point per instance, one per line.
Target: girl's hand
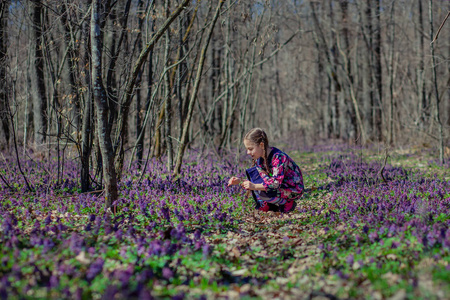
(234, 180)
(248, 185)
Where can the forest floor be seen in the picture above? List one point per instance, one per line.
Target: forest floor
(355, 234)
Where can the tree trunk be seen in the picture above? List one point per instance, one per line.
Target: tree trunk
(351, 127)
(186, 125)
(368, 73)
(378, 75)
(4, 102)
(74, 97)
(436, 90)
(421, 91)
(331, 63)
(87, 130)
(168, 98)
(101, 103)
(139, 110)
(37, 77)
(391, 78)
(228, 107)
(340, 103)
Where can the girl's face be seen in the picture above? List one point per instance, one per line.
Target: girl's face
(254, 150)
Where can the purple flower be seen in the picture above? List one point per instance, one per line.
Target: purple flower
(95, 268)
(167, 273)
(54, 281)
(395, 245)
(178, 297)
(206, 249)
(92, 218)
(124, 275)
(350, 260)
(144, 294)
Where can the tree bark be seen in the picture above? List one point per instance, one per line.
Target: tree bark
(421, 90)
(38, 77)
(378, 111)
(4, 102)
(365, 17)
(101, 103)
(351, 124)
(74, 97)
(168, 99)
(87, 129)
(140, 126)
(436, 90)
(391, 77)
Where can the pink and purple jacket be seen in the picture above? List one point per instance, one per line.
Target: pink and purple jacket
(286, 175)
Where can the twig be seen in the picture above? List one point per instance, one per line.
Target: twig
(7, 184)
(386, 155)
(15, 148)
(440, 27)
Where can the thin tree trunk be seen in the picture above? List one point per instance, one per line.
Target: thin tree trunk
(228, 111)
(38, 78)
(331, 60)
(421, 91)
(368, 97)
(436, 90)
(391, 78)
(139, 110)
(87, 130)
(168, 99)
(340, 103)
(86, 145)
(101, 103)
(186, 125)
(351, 123)
(4, 102)
(74, 97)
(378, 74)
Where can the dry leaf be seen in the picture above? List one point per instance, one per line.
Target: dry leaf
(239, 272)
(81, 257)
(236, 252)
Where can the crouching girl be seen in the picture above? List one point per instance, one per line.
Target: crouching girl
(275, 179)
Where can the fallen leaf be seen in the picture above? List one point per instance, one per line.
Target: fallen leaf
(239, 272)
(81, 257)
(236, 252)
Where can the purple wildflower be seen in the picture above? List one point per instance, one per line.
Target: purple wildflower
(167, 273)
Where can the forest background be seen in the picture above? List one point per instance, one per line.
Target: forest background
(98, 80)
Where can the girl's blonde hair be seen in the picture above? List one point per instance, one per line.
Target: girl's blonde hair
(258, 136)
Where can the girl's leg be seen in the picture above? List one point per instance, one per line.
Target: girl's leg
(290, 203)
(268, 203)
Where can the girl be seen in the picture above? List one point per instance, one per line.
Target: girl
(275, 180)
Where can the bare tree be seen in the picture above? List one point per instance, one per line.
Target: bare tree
(435, 84)
(101, 103)
(168, 97)
(378, 110)
(4, 102)
(421, 91)
(38, 77)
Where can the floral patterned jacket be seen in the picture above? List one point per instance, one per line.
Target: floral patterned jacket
(286, 174)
